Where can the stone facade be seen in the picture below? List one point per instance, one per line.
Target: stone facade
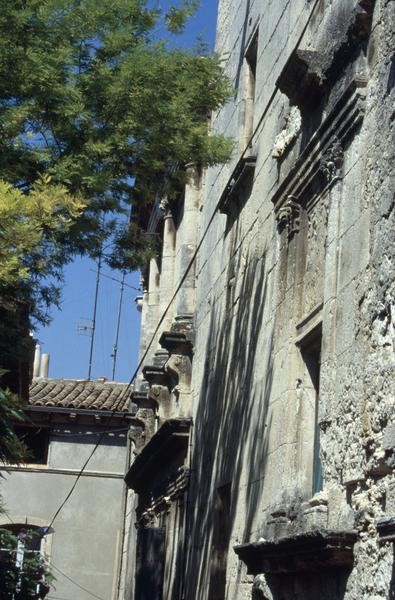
(266, 468)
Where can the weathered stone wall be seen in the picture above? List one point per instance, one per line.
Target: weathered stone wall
(287, 367)
(268, 277)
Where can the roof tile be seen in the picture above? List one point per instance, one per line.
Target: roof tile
(71, 393)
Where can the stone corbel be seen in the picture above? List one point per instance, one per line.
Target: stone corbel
(159, 385)
(179, 363)
(288, 216)
(308, 73)
(143, 401)
(180, 369)
(137, 435)
(148, 518)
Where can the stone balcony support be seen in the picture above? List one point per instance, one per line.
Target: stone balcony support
(179, 369)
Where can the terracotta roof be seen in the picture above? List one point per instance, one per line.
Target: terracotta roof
(72, 393)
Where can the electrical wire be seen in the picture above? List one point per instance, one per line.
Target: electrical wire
(179, 286)
(81, 587)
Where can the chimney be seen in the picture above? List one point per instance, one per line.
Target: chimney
(44, 366)
(36, 363)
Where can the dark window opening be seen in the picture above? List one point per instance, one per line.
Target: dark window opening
(220, 543)
(36, 440)
(251, 57)
(311, 352)
(150, 563)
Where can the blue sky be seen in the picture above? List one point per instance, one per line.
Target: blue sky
(67, 346)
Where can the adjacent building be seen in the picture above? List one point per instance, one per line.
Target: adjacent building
(81, 541)
(265, 468)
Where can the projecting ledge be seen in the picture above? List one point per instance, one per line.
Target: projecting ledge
(170, 439)
(386, 529)
(311, 551)
(241, 177)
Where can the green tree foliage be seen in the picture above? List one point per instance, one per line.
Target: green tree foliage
(91, 98)
(32, 226)
(12, 449)
(23, 573)
(89, 95)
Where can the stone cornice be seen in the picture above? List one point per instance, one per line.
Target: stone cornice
(308, 552)
(242, 174)
(321, 160)
(386, 529)
(177, 343)
(170, 439)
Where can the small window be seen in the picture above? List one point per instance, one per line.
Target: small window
(22, 569)
(251, 57)
(36, 440)
(311, 353)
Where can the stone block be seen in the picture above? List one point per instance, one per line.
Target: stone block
(389, 437)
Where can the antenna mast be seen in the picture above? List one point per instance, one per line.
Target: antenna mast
(115, 348)
(94, 315)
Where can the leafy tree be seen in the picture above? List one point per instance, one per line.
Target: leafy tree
(26, 579)
(12, 449)
(91, 96)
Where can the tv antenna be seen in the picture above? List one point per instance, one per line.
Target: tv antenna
(93, 326)
(115, 347)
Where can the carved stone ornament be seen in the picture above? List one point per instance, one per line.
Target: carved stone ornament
(164, 206)
(288, 216)
(332, 161)
(290, 133)
(260, 589)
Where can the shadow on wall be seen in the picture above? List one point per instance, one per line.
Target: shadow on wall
(231, 431)
(326, 585)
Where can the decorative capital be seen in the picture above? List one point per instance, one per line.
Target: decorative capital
(164, 206)
(289, 216)
(332, 161)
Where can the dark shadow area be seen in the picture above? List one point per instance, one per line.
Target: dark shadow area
(327, 585)
(231, 428)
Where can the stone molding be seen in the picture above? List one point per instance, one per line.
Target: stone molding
(308, 552)
(321, 160)
(172, 438)
(308, 73)
(386, 529)
(179, 364)
(288, 216)
(242, 174)
(164, 498)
